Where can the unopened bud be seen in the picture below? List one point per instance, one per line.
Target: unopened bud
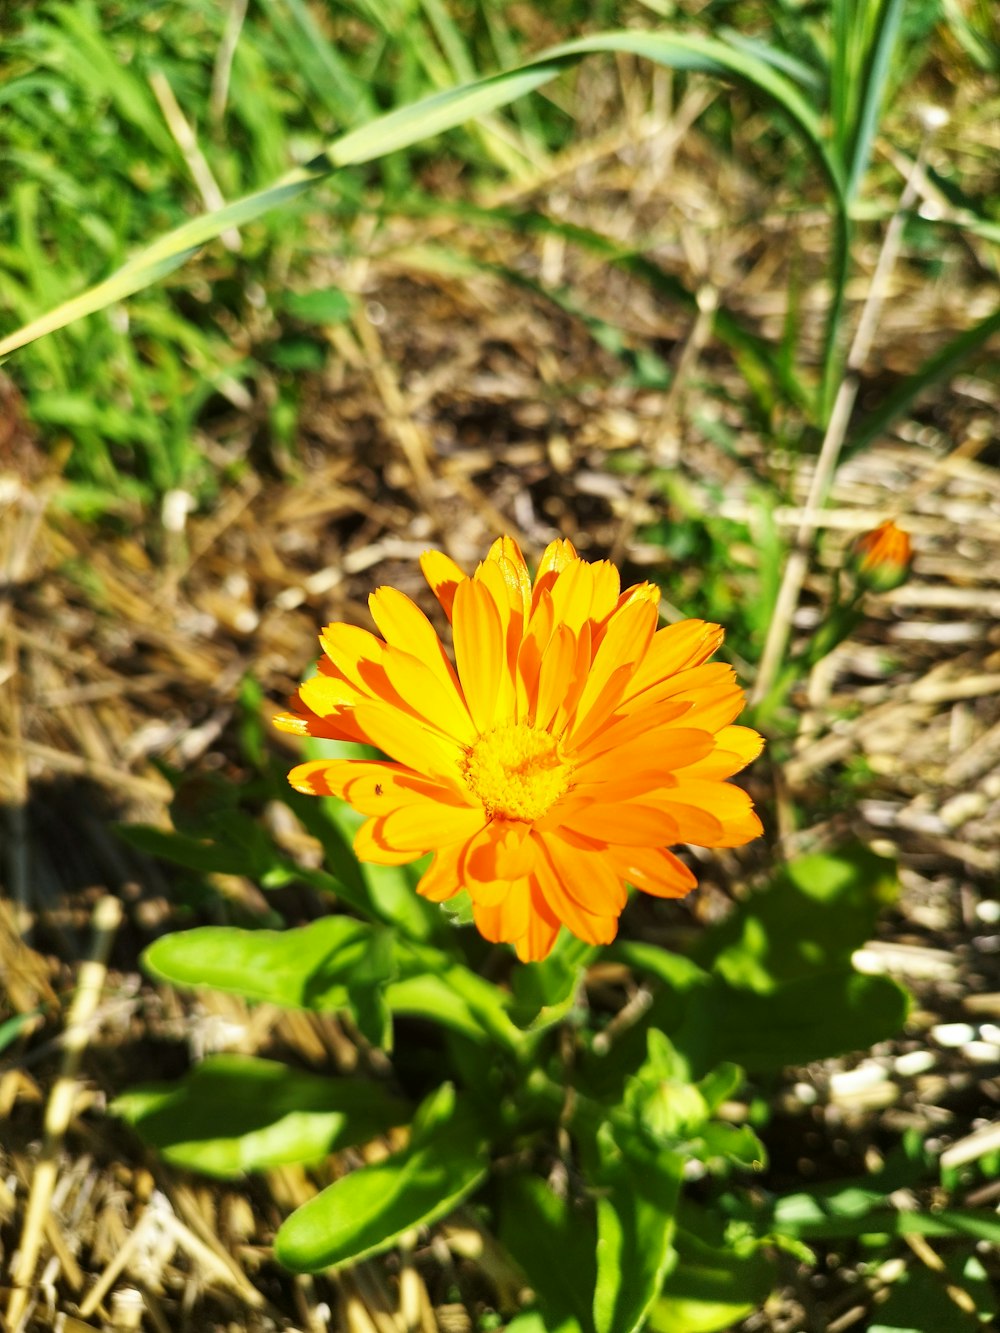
(881, 558)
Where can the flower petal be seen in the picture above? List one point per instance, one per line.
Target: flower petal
(693, 823)
(506, 554)
(479, 650)
(327, 695)
(626, 639)
(730, 806)
(543, 928)
(550, 877)
(654, 754)
(370, 845)
(584, 871)
(403, 625)
(443, 576)
(575, 683)
(371, 787)
(628, 723)
(441, 880)
(339, 727)
(557, 666)
(573, 594)
(556, 556)
(506, 596)
(347, 647)
(426, 825)
(502, 850)
(735, 747)
(628, 823)
(654, 870)
(677, 648)
(402, 737)
(607, 586)
(375, 790)
(715, 709)
(503, 920)
(429, 698)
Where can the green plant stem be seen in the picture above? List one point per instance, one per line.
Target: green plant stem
(833, 440)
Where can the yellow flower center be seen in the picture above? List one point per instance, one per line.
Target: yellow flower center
(516, 771)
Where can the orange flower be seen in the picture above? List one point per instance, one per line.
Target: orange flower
(570, 742)
(882, 557)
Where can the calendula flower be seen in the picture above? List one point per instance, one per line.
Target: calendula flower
(567, 748)
(881, 558)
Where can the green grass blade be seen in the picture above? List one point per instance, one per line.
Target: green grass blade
(808, 77)
(878, 67)
(321, 65)
(936, 367)
(433, 115)
(450, 39)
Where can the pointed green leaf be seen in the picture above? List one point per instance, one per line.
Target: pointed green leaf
(432, 115)
(638, 1190)
(235, 1113)
(553, 1240)
(308, 967)
(711, 1287)
(816, 911)
(368, 1210)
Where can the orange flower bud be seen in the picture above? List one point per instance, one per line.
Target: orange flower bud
(881, 558)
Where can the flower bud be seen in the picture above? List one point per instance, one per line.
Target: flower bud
(881, 558)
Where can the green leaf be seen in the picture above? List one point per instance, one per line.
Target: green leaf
(12, 1028)
(711, 1286)
(864, 62)
(812, 1018)
(733, 1143)
(392, 891)
(863, 1212)
(431, 984)
(660, 1098)
(315, 815)
(638, 1190)
(367, 1211)
(966, 1270)
(532, 1321)
(811, 918)
(675, 970)
(331, 306)
(554, 1241)
(180, 850)
(201, 804)
(308, 967)
(431, 997)
(720, 1085)
(937, 367)
(783, 990)
(544, 993)
(211, 833)
(235, 1113)
(919, 1301)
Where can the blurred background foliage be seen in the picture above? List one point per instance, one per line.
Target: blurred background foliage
(121, 120)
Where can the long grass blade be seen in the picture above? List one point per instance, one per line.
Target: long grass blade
(935, 368)
(433, 115)
(871, 94)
